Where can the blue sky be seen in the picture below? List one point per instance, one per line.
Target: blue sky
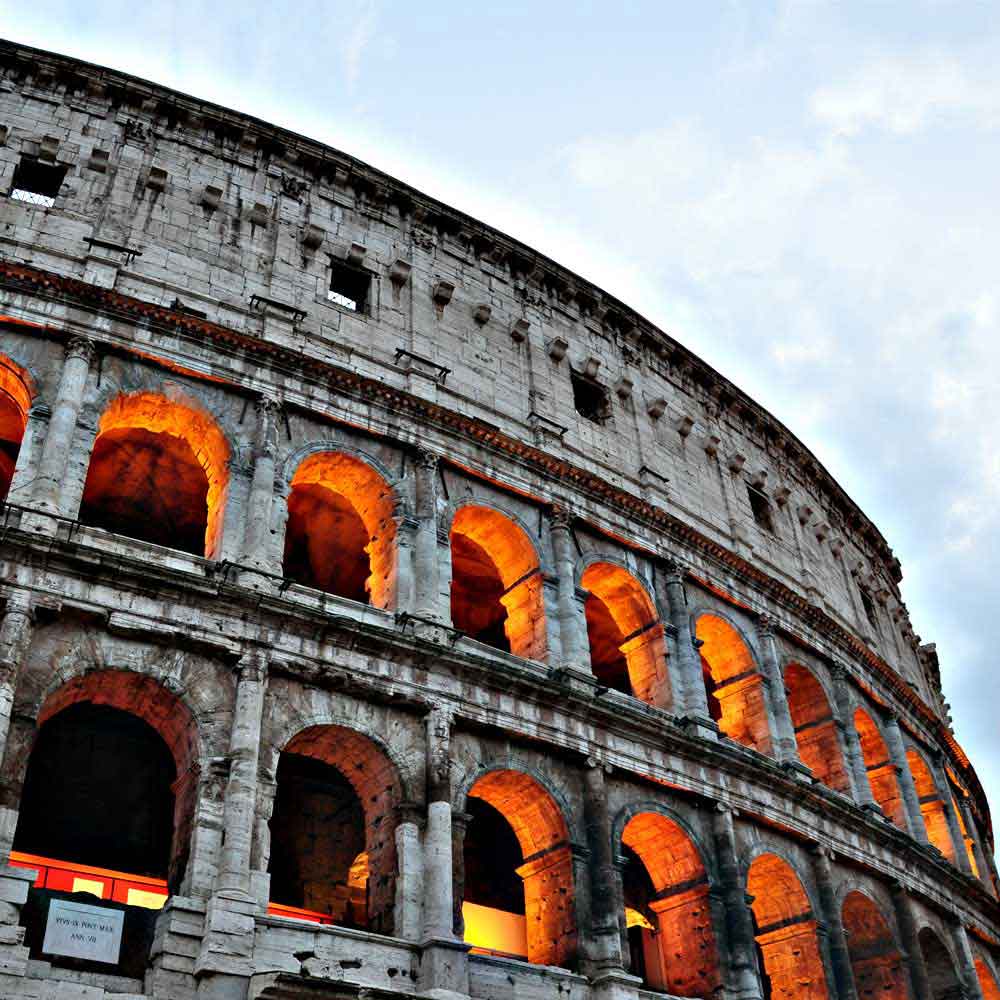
(804, 193)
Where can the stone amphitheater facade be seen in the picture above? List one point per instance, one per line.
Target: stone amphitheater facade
(388, 612)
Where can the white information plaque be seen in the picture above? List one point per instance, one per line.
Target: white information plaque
(80, 931)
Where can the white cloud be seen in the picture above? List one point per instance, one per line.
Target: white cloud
(357, 40)
(904, 93)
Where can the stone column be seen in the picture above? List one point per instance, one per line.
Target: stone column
(741, 965)
(444, 959)
(572, 623)
(258, 545)
(410, 876)
(15, 638)
(852, 742)
(691, 701)
(948, 801)
(62, 424)
(606, 902)
(426, 590)
(966, 967)
(912, 955)
(973, 837)
(786, 749)
(840, 958)
(911, 801)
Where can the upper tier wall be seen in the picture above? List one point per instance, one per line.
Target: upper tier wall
(180, 203)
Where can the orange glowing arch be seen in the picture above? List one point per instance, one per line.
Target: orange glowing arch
(15, 401)
(876, 961)
(881, 770)
(815, 728)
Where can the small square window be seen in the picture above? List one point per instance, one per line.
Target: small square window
(590, 398)
(349, 287)
(761, 507)
(37, 183)
(869, 605)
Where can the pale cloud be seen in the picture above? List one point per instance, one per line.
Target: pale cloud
(904, 93)
(357, 40)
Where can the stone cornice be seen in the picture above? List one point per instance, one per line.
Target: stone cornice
(247, 137)
(350, 384)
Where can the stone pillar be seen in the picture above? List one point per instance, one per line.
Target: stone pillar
(911, 801)
(410, 876)
(840, 958)
(913, 957)
(444, 964)
(691, 701)
(606, 901)
(241, 788)
(572, 621)
(741, 966)
(966, 966)
(852, 741)
(427, 600)
(62, 424)
(258, 545)
(948, 801)
(15, 638)
(786, 749)
(973, 837)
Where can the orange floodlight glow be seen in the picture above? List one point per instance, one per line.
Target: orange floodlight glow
(494, 932)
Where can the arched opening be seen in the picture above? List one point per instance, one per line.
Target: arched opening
(107, 804)
(815, 728)
(15, 400)
(875, 960)
(333, 852)
(932, 808)
(880, 769)
(987, 981)
(341, 534)
(496, 584)
(941, 974)
(791, 964)
(158, 472)
(530, 871)
(627, 651)
(733, 683)
(667, 912)
(967, 837)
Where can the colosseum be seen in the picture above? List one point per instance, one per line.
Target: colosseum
(390, 613)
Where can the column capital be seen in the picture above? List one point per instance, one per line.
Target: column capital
(252, 666)
(560, 517)
(673, 569)
(767, 625)
(80, 347)
(425, 459)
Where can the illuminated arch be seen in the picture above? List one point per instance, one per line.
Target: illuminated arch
(733, 683)
(815, 728)
(143, 698)
(876, 961)
(932, 806)
(668, 915)
(544, 864)
(159, 472)
(627, 650)
(15, 401)
(351, 791)
(942, 976)
(987, 980)
(968, 838)
(880, 769)
(785, 930)
(496, 582)
(341, 532)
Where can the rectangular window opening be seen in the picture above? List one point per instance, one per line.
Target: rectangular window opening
(761, 507)
(590, 398)
(36, 182)
(349, 287)
(869, 605)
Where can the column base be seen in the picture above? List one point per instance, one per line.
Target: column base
(615, 984)
(444, 969)
(798, 770)
(577, 679)
(701, 726)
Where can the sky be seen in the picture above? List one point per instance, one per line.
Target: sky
(803, 193)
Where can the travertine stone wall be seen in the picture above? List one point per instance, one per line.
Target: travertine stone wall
(185, 261)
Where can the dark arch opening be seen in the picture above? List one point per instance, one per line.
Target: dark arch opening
(492, 855)
(941, 974)
(318, 852)
(147, 485)
(607, 661)
(98, 791)
(476, 590)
